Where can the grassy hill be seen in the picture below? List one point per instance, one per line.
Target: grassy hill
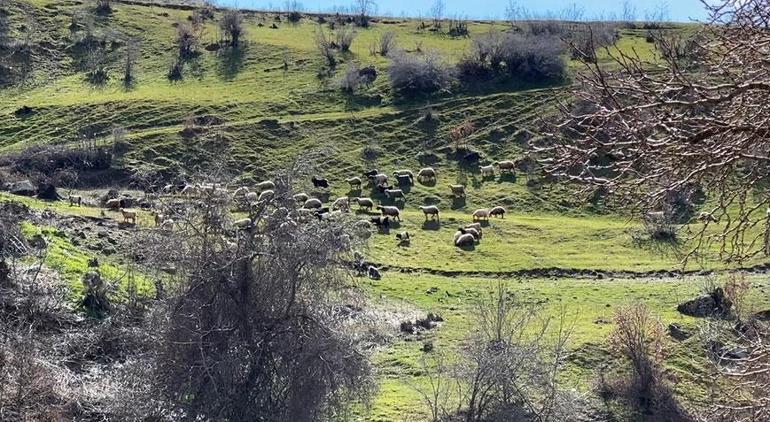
(273, 102)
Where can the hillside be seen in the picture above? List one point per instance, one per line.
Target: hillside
(247, 114)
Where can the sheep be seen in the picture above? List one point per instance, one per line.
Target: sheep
(76, 199)
(364, 203)
(476, 226)
(487, 171)
(266, 195)
(457, 190)
(707, 217)
(379, 221)
(243, 224)
(373, 273)
(379, 179)
(481, 214)
(465, 239)
(475, 233)
(390, 211)
(252, 197)
(403, 236)
(319, 182)
(370, 173)
(403, 179)
(404, 173)
(128, 215)
(191, 190)
(394, 194)
(159, 219)
(460, 231)
(382, 187)
(312, 203)
(426, 173)
(342, 203)
(112, 204)
(167, 189)
(497, 212)
(241, 191)
(506, 165)
(355, 182)
(301, 197)
(266, 185)
(430, 210)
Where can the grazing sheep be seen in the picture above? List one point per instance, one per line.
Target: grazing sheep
(266, 195)
(167, 224)
(371, 173)
(355, 182)
(379, 179)
(707, 217)
(403, 236)
(266, 185)
(402, 179)
(460, 231)
(390, 211)
(312, 203)
(488, 171)
(301, 197)
(112, 204)
(159, 219)
(342, 203)
(475, 233)
(364, 203)
(243, 224)
(497, 212)
(506, 166)
(76, 199)
(481, 214)
(394, 194)
(373, 273)
(426, 173)
(457, 190)
(465, 239)
(319, 182)
(430, 210)
(382, 187)
(379, 221)
(191, 190)
(128, 215)
(404, 172)
(252, 197)
(476, 226)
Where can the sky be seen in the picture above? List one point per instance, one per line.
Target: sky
(677, 10)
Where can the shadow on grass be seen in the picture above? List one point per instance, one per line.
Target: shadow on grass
(431, 225)
(231, 62)
(458, 202)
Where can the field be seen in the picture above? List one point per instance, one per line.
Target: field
(269, 105)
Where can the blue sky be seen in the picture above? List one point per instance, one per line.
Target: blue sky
(678, 10)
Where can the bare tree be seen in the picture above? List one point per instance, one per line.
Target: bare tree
(132, 51)
(231, 25)
(437, 11)
(364, 10)
(648, 130)
(628, 13)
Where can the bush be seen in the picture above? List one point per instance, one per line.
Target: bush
(351, 79)
(344, 38)
(458, 28)
(186, 40)
(416, 74)
(231, 25)
(175, 70)
(103, 7)
(325, 47)
(387, 42)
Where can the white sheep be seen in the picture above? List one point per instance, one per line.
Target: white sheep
(465, 239)
(394, 193)
(312, 203)
(476, 226)
(707, 217)
(379, 179)
(252, 197)
(241, 191)
(457, 190)
(342, 203)
(364, 203)
(481, 214)
(487, 171)
(167, 224)
(301, 197)
(266, 195)
(475, 233)
(355, 182)
(390, 211)
(430, 210)
(244, 223)
(76, 199)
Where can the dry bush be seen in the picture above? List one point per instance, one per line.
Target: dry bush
(254, 324)
(186, 40)
(387, 42)
(231, 25)
(351, 79)
(344, 38)
(325, 47)
(419, 74)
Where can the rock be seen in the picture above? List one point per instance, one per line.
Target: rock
(677, 332)
(47, 191)
(24, 188)
(427, 347)
(24, 111)
(712, 304)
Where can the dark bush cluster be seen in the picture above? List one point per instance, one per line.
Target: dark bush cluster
(522, 57)
(414, 74)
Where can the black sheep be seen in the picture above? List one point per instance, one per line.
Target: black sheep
(472, 157)
(319, 182)
(371, 173)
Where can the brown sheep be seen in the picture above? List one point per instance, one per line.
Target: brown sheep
(112, 204)
(457, 190)
(506, 166)
(481, 214)
(427, 173)
(390, 211)
(430, 210)
(364, 203)
(128, 215)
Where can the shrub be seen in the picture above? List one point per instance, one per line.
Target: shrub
(344, 38)
(103, 7)
(387, 42)
(416, 74)
(325, 47)
(458, 28)
(351, 79)
(186, 40)
(231, 25)
(175, 70)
